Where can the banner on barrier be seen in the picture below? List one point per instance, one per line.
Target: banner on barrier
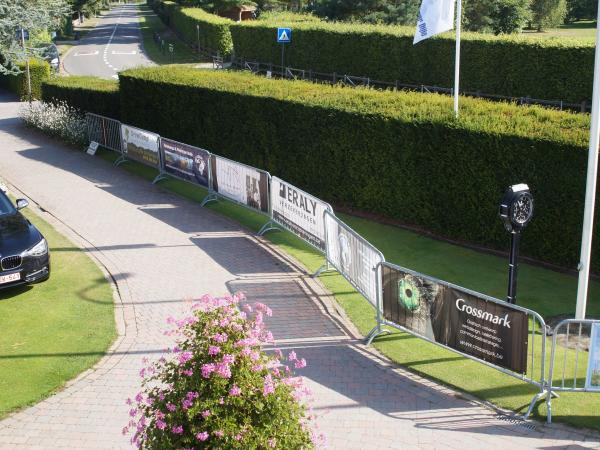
(299, 212)
(493, 332)
(241, 183)
(185, 161)
(140, 145)
(352, 256)
(592, 381)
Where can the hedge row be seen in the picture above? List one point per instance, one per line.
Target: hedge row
(512, 66)
(39, 72)
(551, 69)
(402, 155)
(88, 94)
(195, 26)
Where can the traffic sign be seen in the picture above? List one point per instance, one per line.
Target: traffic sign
(284, 35)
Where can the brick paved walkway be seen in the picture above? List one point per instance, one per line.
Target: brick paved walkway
(161, 250)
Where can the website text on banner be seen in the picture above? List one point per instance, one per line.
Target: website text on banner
(456, 318)
(140, 145)
(299, 212)
(104, 131)
(352, 256)
(241, 183)
(185, 161)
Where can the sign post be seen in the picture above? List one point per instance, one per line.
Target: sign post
(284, 36)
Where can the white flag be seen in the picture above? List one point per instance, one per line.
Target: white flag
(435, 16)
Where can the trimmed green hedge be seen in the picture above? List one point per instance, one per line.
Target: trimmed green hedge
(88, 94)
(213, 32)
(39, 72)
(560, 69)
(402, 155)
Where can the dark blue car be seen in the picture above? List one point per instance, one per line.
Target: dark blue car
(24, 255)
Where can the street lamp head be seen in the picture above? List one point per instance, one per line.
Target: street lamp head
(516, 208)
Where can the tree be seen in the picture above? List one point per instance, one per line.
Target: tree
(510, 16)
(548, 13)
(581, 9)
(35, 16)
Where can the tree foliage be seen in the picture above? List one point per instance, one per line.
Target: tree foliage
(548, 13)
(35, 16)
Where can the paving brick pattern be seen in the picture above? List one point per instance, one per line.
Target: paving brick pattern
(162, 251)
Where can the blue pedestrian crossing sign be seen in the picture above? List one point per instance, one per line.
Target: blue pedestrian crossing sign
(284, 35)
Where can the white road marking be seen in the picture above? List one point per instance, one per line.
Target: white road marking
(124, 53)
(86, 54)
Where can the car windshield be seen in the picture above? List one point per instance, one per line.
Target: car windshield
(6, 207)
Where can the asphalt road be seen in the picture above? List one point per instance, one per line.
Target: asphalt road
(113, 45)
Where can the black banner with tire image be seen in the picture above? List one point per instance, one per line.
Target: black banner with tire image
(493, 332)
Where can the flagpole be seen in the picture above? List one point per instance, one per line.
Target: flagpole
(590, 189)
(457, 55)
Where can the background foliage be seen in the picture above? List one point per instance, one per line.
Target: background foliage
(17, 83)
(400, 155)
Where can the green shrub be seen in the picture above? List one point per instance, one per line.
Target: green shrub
(400, 155)
(39, 72)
(89, 94)
(212, 32)
(559, 69)
(217, 389)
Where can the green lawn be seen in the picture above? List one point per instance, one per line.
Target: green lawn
(150, 23)
(584, 29)
(52, 331)
(548, 292)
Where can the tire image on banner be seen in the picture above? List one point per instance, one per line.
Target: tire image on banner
(352, 256)
(456, 318)
(185, 161)
(140, 145)
(241, 183)
(299, 212)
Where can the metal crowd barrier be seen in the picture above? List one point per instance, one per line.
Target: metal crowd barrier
(537, 337)
(569, 359)
(105, 131)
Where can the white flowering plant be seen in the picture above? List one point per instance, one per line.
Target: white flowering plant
(56, 119)
(217, 388)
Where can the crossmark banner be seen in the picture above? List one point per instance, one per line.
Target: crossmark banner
(435, 16)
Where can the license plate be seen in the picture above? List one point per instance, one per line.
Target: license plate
(11, 277)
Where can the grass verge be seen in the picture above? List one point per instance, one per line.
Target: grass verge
(548, 292)
(54, 330)
(150, 23)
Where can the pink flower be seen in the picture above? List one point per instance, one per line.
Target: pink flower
(219, 433)
(159, 414)
(223, 370)
(171, 407)
(268, 386)
(188, 372)
(128, 401)
(177, 429)
(247, 308)
(142, 372)
(139, 397)
(235, 391)
(220, 337)
(263, 308)
(133, 412)
(207, 369)
(192, 394)
(184, 357)
(228, 359)
(238, 437)
(202, 436)
(300, 363)
(272, 442)
(256, 368)
(292, 356)
(206, 413)
(213, 350)
(161, 424)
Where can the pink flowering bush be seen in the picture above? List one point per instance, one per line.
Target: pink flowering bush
(218, 389)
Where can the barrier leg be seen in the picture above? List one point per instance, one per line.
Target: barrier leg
(211, 197)
(159, 177)
(536, 398)
(324, 268)
(378, 330)
(269, 226)
(120, 160)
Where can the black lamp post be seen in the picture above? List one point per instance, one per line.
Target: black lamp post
(516, 211)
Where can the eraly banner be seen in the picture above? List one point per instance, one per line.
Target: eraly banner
(492, 332)
(299, 212)
(354, 257)
(140, 145)
(185, 161)
(241, 183)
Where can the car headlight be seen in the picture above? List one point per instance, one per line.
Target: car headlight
(39, 249)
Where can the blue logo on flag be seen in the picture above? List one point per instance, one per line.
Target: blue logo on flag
(284, 35)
